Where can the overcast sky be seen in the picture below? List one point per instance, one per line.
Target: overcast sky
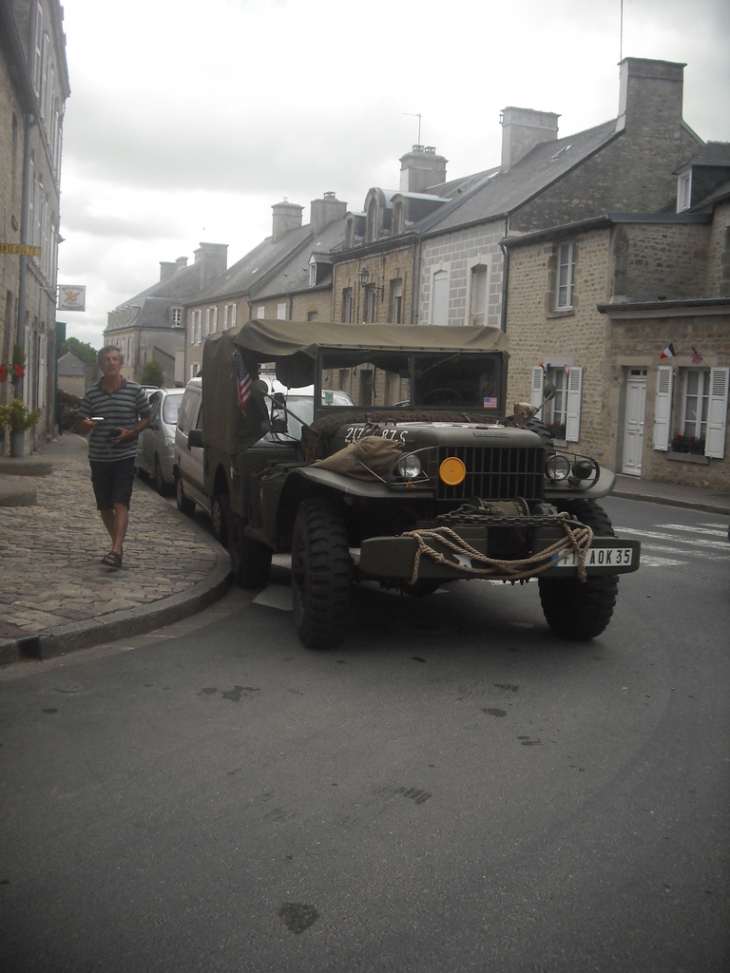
(187, 121)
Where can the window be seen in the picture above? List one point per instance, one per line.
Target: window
(312, 271)
(684, 191)
(566, 277)
(478, 295)
(396, 301)
(347, 305)
(699, 410)
(281, 312)
(176, 317)
(440, 298)
(562, 413)
(211, 320)
(261, 311)
(229, 316)
(311, 315)
(371, 305)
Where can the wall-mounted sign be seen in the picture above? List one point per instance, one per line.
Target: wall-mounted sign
(20, 249)
(71, 297)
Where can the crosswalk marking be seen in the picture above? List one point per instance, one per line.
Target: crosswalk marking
(675, 539)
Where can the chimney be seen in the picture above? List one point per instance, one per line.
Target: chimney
(181, 263)
(522, 130)
(325, 211)
(214, 259)
(421, 168)
(287, 216)
(650, 99)
(167, 269)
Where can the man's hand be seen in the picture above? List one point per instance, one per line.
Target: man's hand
(124, 435)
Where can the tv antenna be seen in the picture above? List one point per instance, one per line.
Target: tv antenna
(418, 116)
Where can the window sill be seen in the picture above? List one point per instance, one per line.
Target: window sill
(564, 312)
(688, 458)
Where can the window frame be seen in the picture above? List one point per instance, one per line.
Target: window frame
(567, 287)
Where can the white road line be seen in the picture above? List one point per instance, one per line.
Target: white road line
(657, 535)
(697, 530)
(647, 561)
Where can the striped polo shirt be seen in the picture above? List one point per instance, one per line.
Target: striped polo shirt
(122, 409)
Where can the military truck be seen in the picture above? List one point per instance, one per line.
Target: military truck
(423, 481)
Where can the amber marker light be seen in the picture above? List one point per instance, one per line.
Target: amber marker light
(452, 471)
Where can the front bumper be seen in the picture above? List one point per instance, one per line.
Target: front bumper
(394, 557)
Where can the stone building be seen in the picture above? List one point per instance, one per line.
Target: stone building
(74, 376)
(288, 276)
(34, 87)
(151, 324)
(641, 339)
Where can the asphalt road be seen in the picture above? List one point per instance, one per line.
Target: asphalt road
(454, 789)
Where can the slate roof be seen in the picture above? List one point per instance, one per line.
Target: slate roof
(244, 276)
(293, 274)
(498, 193)
(69, 366)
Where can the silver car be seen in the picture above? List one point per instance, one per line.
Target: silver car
(156, 445)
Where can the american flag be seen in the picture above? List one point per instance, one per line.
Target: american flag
(696, 357)
(243, 384)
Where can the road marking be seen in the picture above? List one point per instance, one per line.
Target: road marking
(657, 535)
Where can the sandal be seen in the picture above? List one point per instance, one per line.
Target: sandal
(112, 560)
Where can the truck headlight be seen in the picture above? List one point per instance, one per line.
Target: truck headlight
(557, 467)
(408, 466)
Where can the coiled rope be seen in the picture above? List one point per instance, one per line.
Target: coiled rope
(578, 538)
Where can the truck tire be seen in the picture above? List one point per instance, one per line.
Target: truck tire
(321, 574)
(250, 559)
(539, 427)
(184, 504)
(574, 610)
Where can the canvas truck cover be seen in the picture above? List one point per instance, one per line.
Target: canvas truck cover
(293, 347)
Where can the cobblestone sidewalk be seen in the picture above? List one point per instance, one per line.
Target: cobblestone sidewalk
(51, 573)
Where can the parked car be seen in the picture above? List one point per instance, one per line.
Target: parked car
(156, 445)
(188, 465)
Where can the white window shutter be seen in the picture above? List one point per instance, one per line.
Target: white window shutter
(717, 413)
(536, 395)
(663, 407)
(572, 409)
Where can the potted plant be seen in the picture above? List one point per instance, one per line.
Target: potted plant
(16, 417)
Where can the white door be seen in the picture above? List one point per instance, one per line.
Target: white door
(634, 423)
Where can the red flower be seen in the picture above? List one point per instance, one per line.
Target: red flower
(19, 371)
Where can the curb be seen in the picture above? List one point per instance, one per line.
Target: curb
(57, 641)
(721, 509)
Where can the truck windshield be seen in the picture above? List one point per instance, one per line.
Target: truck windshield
(421, 379)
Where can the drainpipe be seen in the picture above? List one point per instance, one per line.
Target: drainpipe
(505, 281)
(28, 122)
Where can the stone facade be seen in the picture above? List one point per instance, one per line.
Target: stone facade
(457, 255)
(388, 294)
(34, 87)
(628, 306)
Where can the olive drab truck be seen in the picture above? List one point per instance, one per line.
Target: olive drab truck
(401, 465)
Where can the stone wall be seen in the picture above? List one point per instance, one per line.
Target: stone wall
(718, 266)
(638, 343)
(457, 253)
(659, 261)
(577, 337)
(388, 269)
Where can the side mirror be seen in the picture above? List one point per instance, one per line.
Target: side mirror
(278, 413)
(259, 389)
(195, 439)
(548, 391)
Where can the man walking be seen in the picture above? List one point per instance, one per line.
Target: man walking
(115, 411)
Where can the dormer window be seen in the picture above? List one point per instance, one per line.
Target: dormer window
(176, 317)
(312, 271)
(684, 191)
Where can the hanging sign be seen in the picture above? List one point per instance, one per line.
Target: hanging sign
(21, 249)
(71, 297)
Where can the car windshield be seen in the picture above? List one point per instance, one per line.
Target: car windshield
(171, 406)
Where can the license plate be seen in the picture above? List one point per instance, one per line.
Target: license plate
(599, 557)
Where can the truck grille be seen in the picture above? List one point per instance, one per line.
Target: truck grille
(495, 474)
